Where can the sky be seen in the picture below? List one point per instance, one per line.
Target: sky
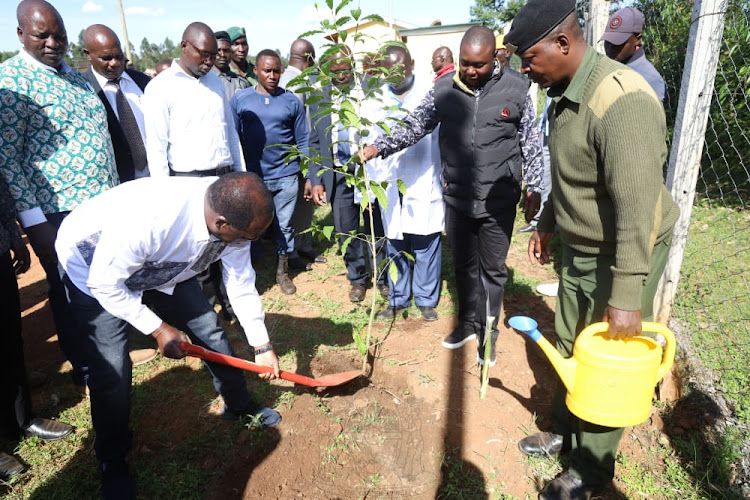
(270, 24)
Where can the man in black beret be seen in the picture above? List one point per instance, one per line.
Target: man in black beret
(615, 216)
(231, 80)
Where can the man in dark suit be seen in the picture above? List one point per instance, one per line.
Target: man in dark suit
(118, 87)
(336, 145)
(120, 90)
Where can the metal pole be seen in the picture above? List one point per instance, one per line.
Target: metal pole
(696, 93)
(126, 41)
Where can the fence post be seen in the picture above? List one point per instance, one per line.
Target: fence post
(596, 23)
(696, 94)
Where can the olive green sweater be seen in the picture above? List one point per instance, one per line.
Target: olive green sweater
(607, 149)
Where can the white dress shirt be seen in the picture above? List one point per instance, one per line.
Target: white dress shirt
(134, 96)
(113, 250)
(189, 125)
(420, 210)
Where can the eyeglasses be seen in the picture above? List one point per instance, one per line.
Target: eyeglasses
(204, 55)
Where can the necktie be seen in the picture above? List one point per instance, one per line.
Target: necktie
(130, 128)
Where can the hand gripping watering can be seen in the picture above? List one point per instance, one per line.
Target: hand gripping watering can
(610, 382)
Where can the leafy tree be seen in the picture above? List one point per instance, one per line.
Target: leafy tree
(495, 13)
(4, 56)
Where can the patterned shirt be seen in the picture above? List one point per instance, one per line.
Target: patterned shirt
(424, 119)
(55, 149)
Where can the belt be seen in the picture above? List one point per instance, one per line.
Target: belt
(212, 172)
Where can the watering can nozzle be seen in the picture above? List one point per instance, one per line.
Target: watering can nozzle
(525, 325)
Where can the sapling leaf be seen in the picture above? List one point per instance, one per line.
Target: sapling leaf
(328, 231)
(393, 273)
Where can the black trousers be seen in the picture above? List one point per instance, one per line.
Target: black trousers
(346, 213)
(480, 247)
(15, 400)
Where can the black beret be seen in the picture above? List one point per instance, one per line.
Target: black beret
(535, 21)
(222, 35)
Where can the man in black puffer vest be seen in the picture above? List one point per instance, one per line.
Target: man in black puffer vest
(487, 137)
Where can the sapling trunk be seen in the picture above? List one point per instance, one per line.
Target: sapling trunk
(487, 356)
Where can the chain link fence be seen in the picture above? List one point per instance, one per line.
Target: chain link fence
(711, 310)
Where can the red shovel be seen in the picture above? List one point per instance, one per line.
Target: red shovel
(325, 381)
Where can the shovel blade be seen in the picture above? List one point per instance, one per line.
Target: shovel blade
(336, 379)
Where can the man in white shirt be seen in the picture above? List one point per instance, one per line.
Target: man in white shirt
(117, 256)
(189, 127)
(413, 222)
(121, 92)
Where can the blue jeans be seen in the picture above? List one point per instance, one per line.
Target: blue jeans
(423, 277)
(103, 341)
(284, 191)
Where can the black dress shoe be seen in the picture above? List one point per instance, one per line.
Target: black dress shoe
(313, 256)
(566, 487)
(528, 228)
(541, 443)
(389, 312)
(357, 293)
(49, 430)
(298, 264)
(428, 313)
(9, 467)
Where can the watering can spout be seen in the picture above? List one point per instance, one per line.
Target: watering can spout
(565, 368)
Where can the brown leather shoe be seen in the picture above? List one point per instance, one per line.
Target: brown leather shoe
(142, 356)
(566, 487)
(541, 444)
(9, 466)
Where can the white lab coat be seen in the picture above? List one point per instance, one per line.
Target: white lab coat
(420, 210)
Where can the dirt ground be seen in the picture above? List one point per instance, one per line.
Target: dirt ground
(415, 428)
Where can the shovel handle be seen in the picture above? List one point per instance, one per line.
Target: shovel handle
(243, 364)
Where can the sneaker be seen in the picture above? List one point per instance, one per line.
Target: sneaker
(548, 289)
(357, 293)
(480, 350)
(458, 338)
(117, 483)
(428, 313)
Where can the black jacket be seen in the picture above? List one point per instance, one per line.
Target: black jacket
(479, 145)
(123, 157)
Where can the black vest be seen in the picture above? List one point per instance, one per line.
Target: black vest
(479, 144)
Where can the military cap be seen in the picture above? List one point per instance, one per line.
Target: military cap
(235, 32)
(535, 21)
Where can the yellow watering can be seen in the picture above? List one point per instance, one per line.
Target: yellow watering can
(610, 382)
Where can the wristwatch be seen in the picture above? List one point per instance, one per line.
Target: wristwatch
(262, 350)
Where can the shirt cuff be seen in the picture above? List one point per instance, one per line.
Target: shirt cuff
(32, 217)
(626, 291)
(147, 322)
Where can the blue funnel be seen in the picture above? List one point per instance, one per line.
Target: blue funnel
(525, 325)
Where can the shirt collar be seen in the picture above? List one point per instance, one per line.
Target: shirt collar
(574, 90)
(103, 80)
(636, 55)
(64, 68)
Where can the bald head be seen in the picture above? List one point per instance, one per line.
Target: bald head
(476, 62)
(199, 49)
(41, 31)
(478, 36)
(103, 50)
(238, 206)
(301, 54)
(441, 57)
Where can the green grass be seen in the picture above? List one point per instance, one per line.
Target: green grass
(712, 299)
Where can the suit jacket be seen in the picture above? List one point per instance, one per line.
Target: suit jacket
(123, 156)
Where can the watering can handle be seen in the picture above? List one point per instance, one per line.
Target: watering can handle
(648, 326)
